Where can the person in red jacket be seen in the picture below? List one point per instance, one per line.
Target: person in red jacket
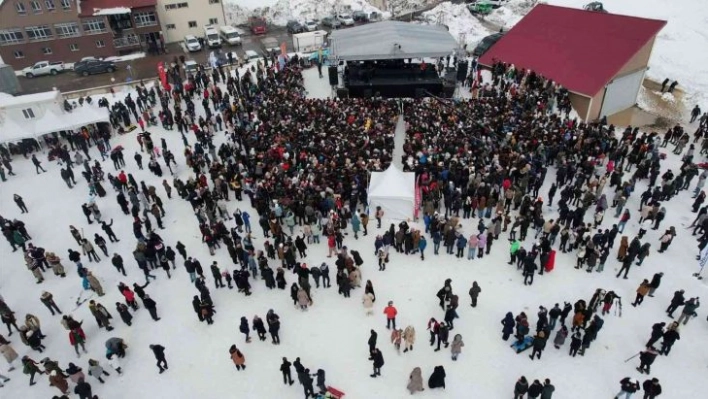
(77, 338)
(390, 312)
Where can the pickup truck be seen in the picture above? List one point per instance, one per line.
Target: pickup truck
(43, 68)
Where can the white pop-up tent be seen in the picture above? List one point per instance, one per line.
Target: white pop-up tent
(394, 192)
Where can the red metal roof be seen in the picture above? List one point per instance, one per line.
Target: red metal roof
(582, 50)
(88, 6)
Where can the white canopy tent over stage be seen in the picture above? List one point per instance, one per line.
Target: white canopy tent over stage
(394, 192)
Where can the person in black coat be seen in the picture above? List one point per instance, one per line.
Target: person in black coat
(124, 313)
(83, 389)
(670, 337)
(539, 344)
(646, 359)
(535, 389)
(159, 352)
(676, 301)
(285, 370)
(170, 255)
(196, 305)
(652, 388)
(657, 331)
(181, 249)
(520, 388)
(372, 344)
(378, 363)
(655, 283)
(509, 324)
(437, 379)
(151, 306)
(273, 321)
(109, 231)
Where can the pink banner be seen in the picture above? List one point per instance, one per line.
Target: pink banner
(418, 198)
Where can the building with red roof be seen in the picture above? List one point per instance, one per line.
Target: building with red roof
(600, 58)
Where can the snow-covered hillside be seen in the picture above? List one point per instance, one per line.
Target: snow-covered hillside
(464, 26)
(280, 11)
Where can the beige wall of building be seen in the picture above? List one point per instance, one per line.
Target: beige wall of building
(176, 15)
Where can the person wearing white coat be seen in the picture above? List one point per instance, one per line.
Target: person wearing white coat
(368, 301)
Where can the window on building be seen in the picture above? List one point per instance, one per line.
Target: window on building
(170, 26)
(66, 4)
(18, 54)
(20, 7)
(49, 5)
(69, 29)
(175, 6)
(213, 1)
(146, 18)
(43, 32)
(192, 24)
(213, 21)
(93, 26)
(11, 36)
(36, 7)
(74, 47)
(47, 51)
(100, 44)
(28, 113)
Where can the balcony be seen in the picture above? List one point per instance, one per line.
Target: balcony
(127, 41)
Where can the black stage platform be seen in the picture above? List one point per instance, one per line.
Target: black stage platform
(393, 82)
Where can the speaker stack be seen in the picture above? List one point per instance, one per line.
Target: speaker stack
(333, 76)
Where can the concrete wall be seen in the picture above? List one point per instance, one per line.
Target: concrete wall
(198, 10)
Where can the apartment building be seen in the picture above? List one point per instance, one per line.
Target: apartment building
(181, 17)
(68, 30)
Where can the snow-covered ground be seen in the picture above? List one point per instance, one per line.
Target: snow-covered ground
(332, 335)
(678, 53)
(464, 26)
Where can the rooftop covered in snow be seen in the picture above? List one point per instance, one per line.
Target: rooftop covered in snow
(391, 40)
(111, 7)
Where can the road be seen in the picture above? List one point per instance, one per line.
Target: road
(142, 68)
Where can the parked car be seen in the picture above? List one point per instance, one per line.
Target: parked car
(43, 68)
(92, 67)
(190, 67)
(331, 22)
(360, 16)
(192, 43)
(311, 25)
(486, 43)
(492, 3)
(294, 27)
(345, 19)
(249, 55)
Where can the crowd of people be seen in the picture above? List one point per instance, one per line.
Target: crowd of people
(304, 163)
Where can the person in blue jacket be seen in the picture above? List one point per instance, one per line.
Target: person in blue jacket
(461, 245)
(422, 243)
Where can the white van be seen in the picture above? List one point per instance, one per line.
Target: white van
(230, 35)
(211, 36)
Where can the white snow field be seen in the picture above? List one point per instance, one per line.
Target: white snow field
(676, 54)
(332, 334)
